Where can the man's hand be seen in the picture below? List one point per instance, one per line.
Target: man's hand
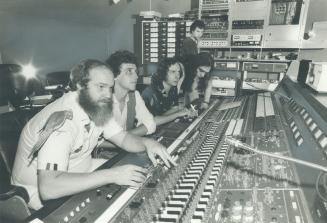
(188, 112)
(193, 112)
(130, 175)
(204, 105)
(153, 149)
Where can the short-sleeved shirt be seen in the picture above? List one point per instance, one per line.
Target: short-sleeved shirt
(67, 149)
(142, 114)
(189, 47)
(155, 100)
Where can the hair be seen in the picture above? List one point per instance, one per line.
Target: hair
(203, 59)
(192, 63)
(197, 24)
(118, 58)
(80, 73)
(164, 66)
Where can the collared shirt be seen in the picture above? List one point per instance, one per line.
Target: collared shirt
(67, 149)
(142, 114)
(156, 102)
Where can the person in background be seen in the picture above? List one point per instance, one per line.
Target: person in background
(190, 44)
(197, 79)
(161, 96)
(53, 158)
(129, 109)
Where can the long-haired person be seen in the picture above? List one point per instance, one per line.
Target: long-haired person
(161, 96)
(197, 80)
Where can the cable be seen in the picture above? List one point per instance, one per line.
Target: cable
(239, 144)
(323, 170)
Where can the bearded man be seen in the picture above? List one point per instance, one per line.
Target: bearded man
(54, 152)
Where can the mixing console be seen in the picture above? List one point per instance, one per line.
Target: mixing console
(215, 181)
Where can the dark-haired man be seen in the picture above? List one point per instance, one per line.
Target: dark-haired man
(60, 146)
(190, 44)
(161, 97)
(198, 80)
(129, 109)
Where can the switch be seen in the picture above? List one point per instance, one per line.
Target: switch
(292, 194)
(109, 196)
(83, 220)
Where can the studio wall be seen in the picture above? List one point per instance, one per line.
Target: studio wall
(55, 35)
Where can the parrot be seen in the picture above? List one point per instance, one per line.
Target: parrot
(55, 121)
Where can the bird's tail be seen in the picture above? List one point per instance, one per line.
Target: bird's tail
(38, 145)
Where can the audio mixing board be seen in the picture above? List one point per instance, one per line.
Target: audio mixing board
(218, 182)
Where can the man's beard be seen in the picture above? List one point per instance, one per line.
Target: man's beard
(99, 114)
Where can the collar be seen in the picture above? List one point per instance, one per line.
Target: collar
(164, 93)
(115, 100)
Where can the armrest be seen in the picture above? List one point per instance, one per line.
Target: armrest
(15, 191)
(14, 209)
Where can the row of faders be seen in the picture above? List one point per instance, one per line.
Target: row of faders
(180, 204)
(176, 194)
(172, 195)
(148, 200)
(203, 204)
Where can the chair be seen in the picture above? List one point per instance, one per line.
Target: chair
(6, 88)
(13, 199)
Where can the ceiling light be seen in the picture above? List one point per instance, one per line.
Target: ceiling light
(29, 71)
